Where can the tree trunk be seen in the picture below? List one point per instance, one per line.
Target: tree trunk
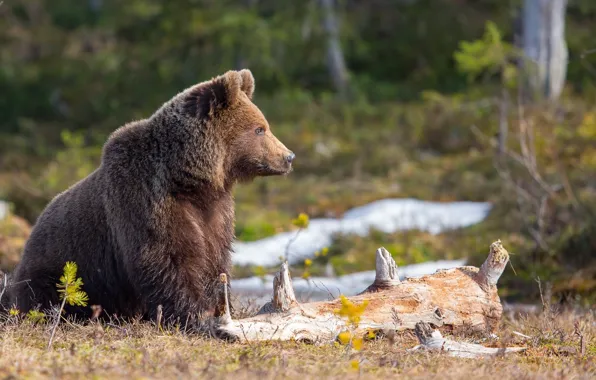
(335, 56)
(461, 298)
(545, 47)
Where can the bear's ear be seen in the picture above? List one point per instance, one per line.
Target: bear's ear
(232, 81)
(219, 93)
(248, 83)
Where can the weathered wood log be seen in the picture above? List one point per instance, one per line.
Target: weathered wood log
(432, 340)
(460, 298)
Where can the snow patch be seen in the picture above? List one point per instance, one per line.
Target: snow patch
(321, 288)
(388, 215)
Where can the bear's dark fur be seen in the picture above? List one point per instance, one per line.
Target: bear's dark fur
(153, 225)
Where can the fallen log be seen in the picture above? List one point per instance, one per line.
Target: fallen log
(459, 298)
(432, 340)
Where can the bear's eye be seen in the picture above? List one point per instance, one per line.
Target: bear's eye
(260, 131)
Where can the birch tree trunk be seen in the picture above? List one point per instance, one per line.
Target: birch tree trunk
(545, 47)
(335, 56)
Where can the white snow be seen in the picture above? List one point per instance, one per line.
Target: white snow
(331, 287)
(388, 215)
(3, 209)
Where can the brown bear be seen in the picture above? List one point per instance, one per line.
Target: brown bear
(154, 224)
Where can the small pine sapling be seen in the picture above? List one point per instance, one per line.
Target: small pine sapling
(36, 316)
(71, 292)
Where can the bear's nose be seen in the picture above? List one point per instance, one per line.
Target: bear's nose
(290, 157)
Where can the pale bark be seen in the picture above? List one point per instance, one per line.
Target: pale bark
(386, 274)
(335, 57)
(545, 47)
(461, 298)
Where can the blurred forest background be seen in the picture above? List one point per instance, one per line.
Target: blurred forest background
(483, 100)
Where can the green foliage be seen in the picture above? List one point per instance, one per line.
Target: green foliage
(260, 272)
(68, 65)
(33, 183)
(254, 231)
(488, 55)
(70, 286)
(36, 316)
(73, 163)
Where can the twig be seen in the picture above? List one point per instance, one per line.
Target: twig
(527, 159)
(520, 159)
(118, 327)
(582, 55)
(511, 265)
(5, 280)
(582, 340)
(540, 291)
(56, 323)
(287, 253)
(522, 335)
(27, 189)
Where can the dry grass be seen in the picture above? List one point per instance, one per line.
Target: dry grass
(140, 350)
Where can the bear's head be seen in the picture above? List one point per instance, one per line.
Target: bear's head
(222, 136)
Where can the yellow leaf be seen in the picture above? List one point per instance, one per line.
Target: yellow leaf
(351, 311)
(344, 337)
(357, 344)
(301, 221)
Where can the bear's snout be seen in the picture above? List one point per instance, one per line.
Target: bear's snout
(290, 157)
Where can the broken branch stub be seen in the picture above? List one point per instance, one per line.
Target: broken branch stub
(459, 298)
(283, 292)
(386, 272)
(493, 267)
(433, 340)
